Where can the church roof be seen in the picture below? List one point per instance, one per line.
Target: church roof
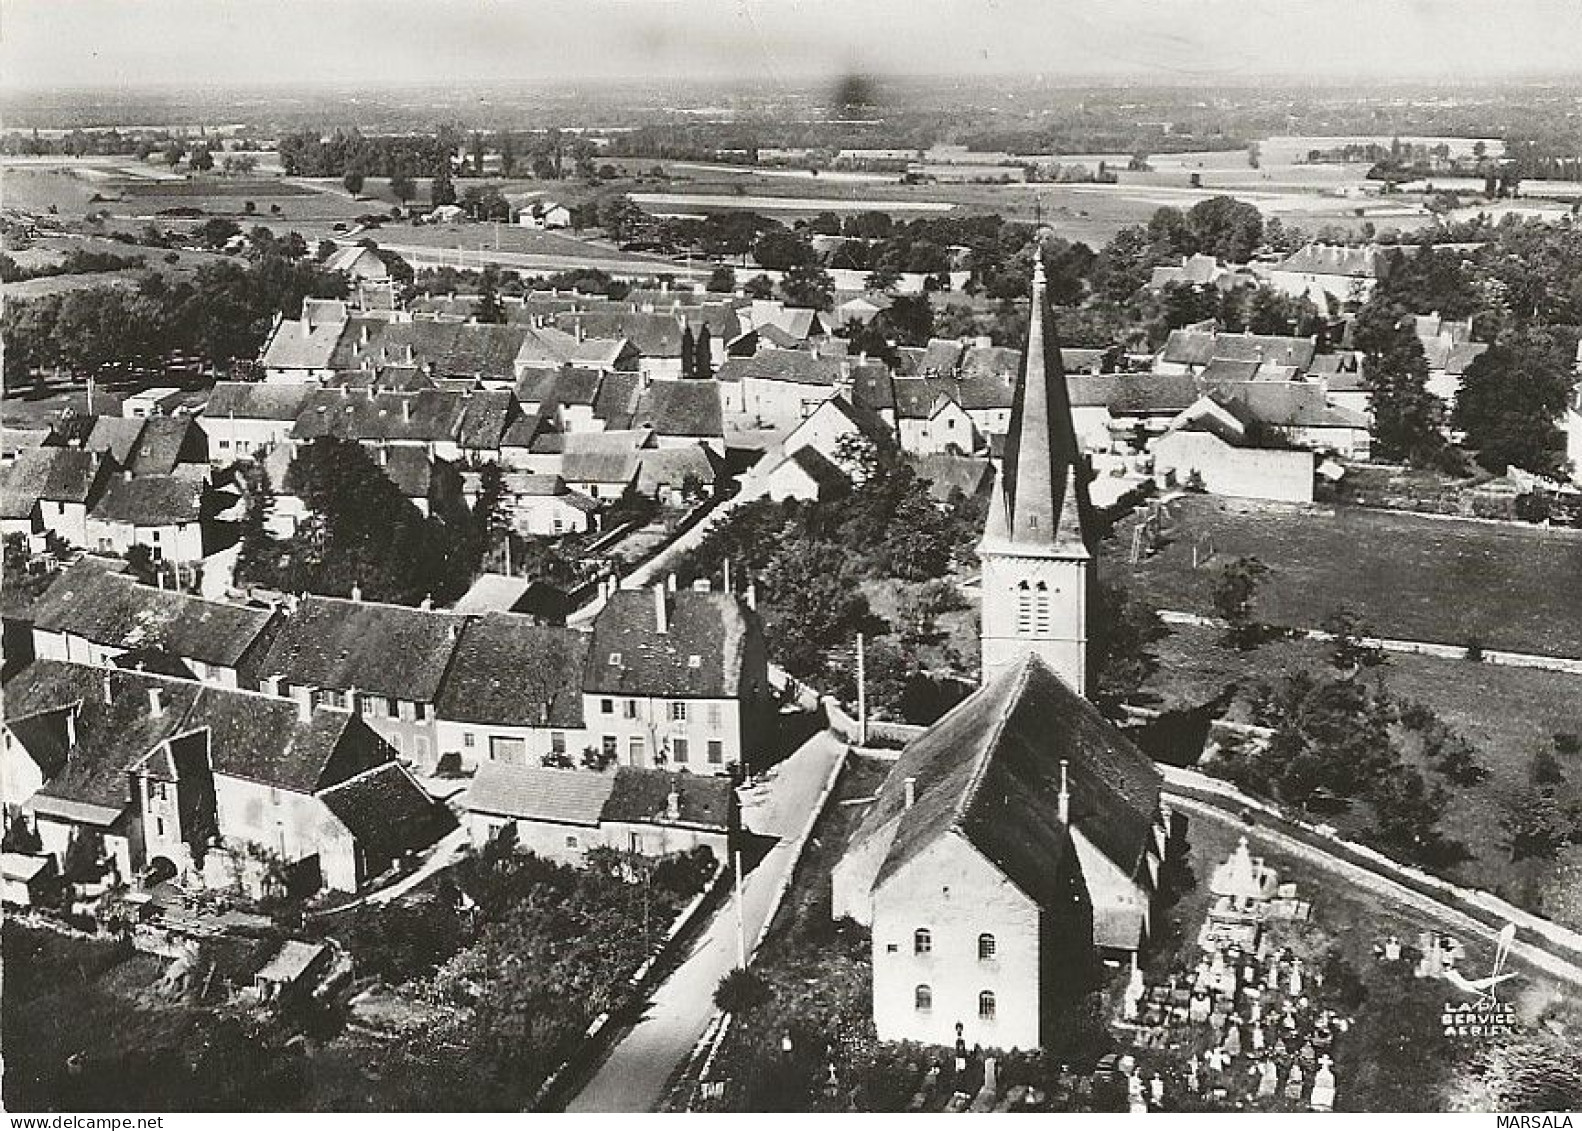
(1041, 499)
(990, 771)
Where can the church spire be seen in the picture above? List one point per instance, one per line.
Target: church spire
(1040, 499)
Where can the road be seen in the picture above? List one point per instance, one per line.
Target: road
(473, 258)
(634, 1075)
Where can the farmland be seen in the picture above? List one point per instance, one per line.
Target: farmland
(1409, 577)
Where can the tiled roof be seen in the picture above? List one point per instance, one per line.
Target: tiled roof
(59, 475)
(115, 610)
(387, 650)
(714, 628)
(682, 408)
(654, 335)
(783, 365)
(509, 671)
(617, 399)
(165, 442)
(309, 342)
(642, 796)
(670, 467)
(990, 771)
(829, 479)
(1287, 405)
(463, 349)
(246, 400)
(940, 357)
(151, 500)
(115, 436)
(486, 414)
(948, 473)
(427, 416)
(619, 467)
(387, 812)
(532, 793)
(1328, 259)
(1199, 347)
(409, 468)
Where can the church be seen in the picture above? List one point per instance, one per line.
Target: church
(1018, 841)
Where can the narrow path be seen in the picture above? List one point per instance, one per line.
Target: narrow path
(1563, 664)
(634, 1075)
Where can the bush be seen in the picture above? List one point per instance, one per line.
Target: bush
(740, 991)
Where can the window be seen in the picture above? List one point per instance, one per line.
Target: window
(506, 748)
(571, 842)
(1024, 608)
(986, 1006)
(678, 712)
(985, 947)
(714, 716)
(716, 752)
(678, 749)
(629, 708)
(608, 745)
(1041, 609)
(615, 659)
(557, 741)
(224, 445)
(420, 711)
(393, 708)
(159, 826)
(468, 740)
(606, 706)
(154, 535)
(694, 661)
(922, 941)
(923, 999)
(634, 750)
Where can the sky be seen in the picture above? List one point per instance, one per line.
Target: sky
(46, 44)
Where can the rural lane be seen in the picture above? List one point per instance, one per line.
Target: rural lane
(780, 805)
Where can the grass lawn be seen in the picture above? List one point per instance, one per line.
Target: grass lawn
(1412, 578)
(1506, 713)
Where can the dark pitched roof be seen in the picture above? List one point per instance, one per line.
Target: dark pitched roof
(425, 416)
(916, 398)
(831, 480)
(387, 650)
(454, 349)
(670, 467)
(115, 436)
(702, 653)
(1335, 259)
(1199, 347)
(681, 408)
(45, 737)
(1134, 394)
(533, 793)
(246, 400)
(617, 399)
(653, 334)
(409, 468)
(115, 610)
(486, 414)
(509, 671)
(151, 500)
(165, 442)
(796, 366)
(1283, 404)
(59, 475)
(948, 473)
(387, 812)
(990, 771)
(642, 796)
(940, 357)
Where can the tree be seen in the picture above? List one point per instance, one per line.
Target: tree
(1406, 416)
(1225, 227)
(909, 318)
(1511, 398)
(1121, 636)
(722, 280)
(441, 190)
(489, 308)
(808, 285)
(702, 354)
(174, 152)
(1349, 654)
(759, 286)
(353, 181)
(201, 160)
(402, 186)
(1235, 593)
(782, 250)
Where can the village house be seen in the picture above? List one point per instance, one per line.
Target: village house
(241, 417)
(1219, 446)
(386, 662)
(1191, 352)
(1019, 838)
(359, 263)
(1330, 275)
(682, 414)
(151, 402)
(302, 350)
(677, 476)
(94, 616)
(544, 505)
(1448, 346)
(512, 694)
(544, 214)
(48, 491)
(780, 387)
(163, 513)
(1123, 411)
(561, 814)
(1200, 271)
(806, 475)
(1341, 376)
(1301, 414)
(929, 419)
(677, 679)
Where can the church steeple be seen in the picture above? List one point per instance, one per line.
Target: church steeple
(1037, 547)
(1041, 494)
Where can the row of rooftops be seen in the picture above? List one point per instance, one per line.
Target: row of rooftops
(93, 480)
(497, 667)
(629, 795)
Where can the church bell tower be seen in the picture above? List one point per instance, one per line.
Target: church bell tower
(1036, 549)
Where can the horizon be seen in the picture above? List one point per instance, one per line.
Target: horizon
(153, 46)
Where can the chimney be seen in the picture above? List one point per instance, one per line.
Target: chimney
(156, 701)
(702, 585)
(304, 704)
(357, 591)
(1065, 795)
(673, 805)
(426, 604)
(126, 476)
(671, 583)
(752, 595)
(406, 408)
(106, 688)
(661, 613)
(71, 725)
(910, 785)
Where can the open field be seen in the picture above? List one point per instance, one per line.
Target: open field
(496, 236)
(1410, 577)
(1506, 713)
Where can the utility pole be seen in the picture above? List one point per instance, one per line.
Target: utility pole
(741, 927)
(862, 692)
